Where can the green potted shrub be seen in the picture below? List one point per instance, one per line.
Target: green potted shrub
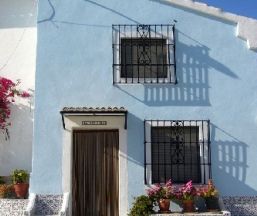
(20, 182)
(142, 206)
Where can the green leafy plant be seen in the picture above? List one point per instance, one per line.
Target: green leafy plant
(19, 176)
(142, 206)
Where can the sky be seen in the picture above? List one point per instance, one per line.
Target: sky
(241, 7)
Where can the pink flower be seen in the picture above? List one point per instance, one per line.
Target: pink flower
(168, 183)
(25, 94)
(7, 93)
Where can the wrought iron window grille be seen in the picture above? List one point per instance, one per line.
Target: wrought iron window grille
(144, 54)
(177, 149)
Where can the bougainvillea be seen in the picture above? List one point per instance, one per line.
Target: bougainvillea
(8, 91)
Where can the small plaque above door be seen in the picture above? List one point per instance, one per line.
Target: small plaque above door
(94, 122)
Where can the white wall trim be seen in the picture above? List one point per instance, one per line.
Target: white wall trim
(246, 27)
(131, 33)
(203, 147)
(113, 122)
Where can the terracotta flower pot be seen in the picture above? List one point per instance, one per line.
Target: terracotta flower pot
(164, 205)
(188, 206)
(21, 189)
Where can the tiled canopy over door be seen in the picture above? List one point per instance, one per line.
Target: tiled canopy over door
(95, 184)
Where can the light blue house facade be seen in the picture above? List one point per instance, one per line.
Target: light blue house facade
(194, 74)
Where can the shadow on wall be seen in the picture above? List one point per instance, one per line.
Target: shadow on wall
(135, 157)
(229, 160)
(52, 19)
(18, 14)
(194, 64)
(193, 68)
(135, 140)
(16, 152)
(229, 164)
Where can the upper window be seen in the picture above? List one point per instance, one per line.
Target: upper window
(143, 54)
(177, 150)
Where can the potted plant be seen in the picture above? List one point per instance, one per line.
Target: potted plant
(142, 205)
(161, 195)
(20, 182)
(188, 192)
(211, 196)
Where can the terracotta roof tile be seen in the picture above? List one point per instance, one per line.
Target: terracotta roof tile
(92, 109)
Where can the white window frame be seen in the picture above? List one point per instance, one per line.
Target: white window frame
(117, 36)
(203, 144)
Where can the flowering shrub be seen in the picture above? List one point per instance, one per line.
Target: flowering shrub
(210, 190)
(8, 91)
(188, 191)
(158, 191)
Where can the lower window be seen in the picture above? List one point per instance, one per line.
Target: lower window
(177, 150)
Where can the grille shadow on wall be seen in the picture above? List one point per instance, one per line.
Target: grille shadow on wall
(229, 160)
(193, 68)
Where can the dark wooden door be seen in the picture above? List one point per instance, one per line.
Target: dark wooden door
(95, 173)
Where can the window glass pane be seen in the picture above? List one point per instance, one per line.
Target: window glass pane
(175, 154)
(144, 58)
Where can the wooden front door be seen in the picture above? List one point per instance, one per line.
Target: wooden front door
(95, 173)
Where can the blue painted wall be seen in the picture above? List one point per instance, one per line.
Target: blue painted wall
(74, 68)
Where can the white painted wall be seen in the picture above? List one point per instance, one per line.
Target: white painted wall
(18, 35)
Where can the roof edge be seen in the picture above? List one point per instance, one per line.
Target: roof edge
(246, 27)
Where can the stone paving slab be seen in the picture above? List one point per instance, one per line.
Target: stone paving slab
(225, 213)
(11, 213)
(13, 207)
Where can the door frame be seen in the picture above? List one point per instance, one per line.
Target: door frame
(74, 123)
(103, 131)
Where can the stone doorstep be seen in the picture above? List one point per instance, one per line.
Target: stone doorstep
(13, 207)
(189, 214)
(14, 204)
(195, 214)
(48, 204)
(11, 213)
(47, 215)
